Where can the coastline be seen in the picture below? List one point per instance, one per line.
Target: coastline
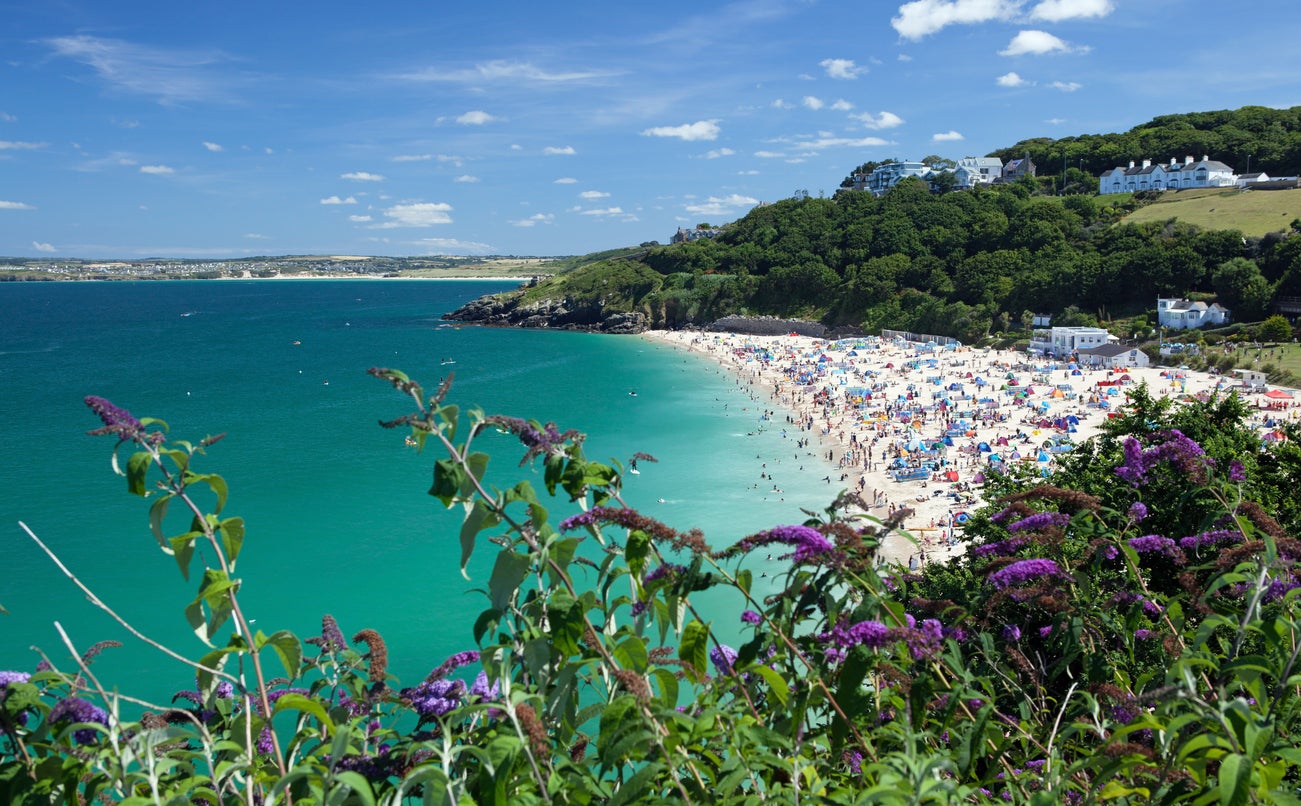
(866, 404)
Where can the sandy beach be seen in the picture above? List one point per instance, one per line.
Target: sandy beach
(907, 425)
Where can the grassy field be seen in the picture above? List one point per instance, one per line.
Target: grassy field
(1254, 212)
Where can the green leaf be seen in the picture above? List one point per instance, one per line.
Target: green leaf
(182, 547)
(636, 550)
(136, 468)
(565, 615)
(306, 705)
(508, 572)
(359, 786)
(288, 647)
(1235, 779)
(157, 512)
(776, 683)
(693, 649)
(448, 477)
(232, 537)
(479, 517)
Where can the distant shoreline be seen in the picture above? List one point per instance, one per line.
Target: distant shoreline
(309, 277)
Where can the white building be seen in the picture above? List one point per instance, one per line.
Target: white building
(972, 171)
(1180, 314)
(1205, 173)
(1113, 356)
(889, 174)
(1063, 341)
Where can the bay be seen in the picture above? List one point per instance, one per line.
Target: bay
(338, 517)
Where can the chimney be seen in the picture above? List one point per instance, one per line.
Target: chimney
(1172, 162)
(1147, 163)
(1205, 158)
(1131, 163)
(1188, 160)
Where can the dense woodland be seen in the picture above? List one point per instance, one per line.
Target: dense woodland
(969, 263)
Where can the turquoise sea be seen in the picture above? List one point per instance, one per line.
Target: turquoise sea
(336, 507)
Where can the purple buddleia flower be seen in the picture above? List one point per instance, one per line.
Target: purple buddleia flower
(480, 688)
(1278, 588)
(1022, 572)
(455, 662)
(1181, 453)
(1236, 472)
(871, 634)
(751, 617)
(1157, 544)
(1142, 634)
(1011, 632)
(664, 571)
(13, 677)
(1210, 538)
(74, 710)
(723, 657)
(433, 698)
(1137, 511)
(116, 420)
(545, 439)
(1003, 548)
(265, 744)
(808, 542)
(1039, 521)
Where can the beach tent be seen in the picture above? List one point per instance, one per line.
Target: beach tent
(1043, 457)
(1278, 394)
(993, 457)
(983, 447)
(951, 475)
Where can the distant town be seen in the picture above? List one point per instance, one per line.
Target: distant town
(36, 269)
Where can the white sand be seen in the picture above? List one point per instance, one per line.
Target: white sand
(818, 394)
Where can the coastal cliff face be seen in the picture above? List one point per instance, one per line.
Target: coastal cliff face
(509, 309)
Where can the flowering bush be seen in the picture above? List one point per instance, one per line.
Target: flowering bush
(1125, 634)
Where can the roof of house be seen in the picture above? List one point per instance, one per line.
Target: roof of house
(1107, 351)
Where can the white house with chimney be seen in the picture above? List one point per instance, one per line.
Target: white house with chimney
(972, 171)
(1180, 314)
(1203, 173)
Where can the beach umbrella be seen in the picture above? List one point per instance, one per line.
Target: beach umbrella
(979, 478)
(983, 447)
(1043, 456)
(963, 517)
(993, 457)
(951, 475)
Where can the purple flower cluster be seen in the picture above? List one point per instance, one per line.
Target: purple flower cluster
(455, 662)
(808, 542)
(1211, 538)
(1156, 544)
(116, 420)
(664, 571)
(1237, 474)
(1022, 572)
(481, 689)
(923, 641)
(622, 516)
(1278, 588)
(1040, 521)
(434, 698)
(1011, 632)
(1003, 548)
(751, 617)
(723, 657)
(13, 677)
(74, 710)
(1182, 453)
(1137, 511)
(543, 440)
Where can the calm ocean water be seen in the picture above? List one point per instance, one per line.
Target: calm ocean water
(336, 508)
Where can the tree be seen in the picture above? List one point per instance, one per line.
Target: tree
(1276, 328)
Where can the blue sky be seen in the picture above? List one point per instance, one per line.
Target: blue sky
(203, 129)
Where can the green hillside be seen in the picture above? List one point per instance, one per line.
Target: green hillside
(1253, 213)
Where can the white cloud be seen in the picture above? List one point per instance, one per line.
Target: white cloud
(362, 176)
(1011, 80)
(1035, 43)
(13, 205)
(924, 17)
(885, 120)
(454, 243)
(181, 74)
(360, 219)
(157, 170)
(718, 152)
(501, 70)
(768, 154)
(476, 117)
(565, 151)
(593, 194)
(13, 145)
(534, 220)
(7, 118)
(426, 214)
(839, 142)
(413, 157)
(1065, 86)
(700, 130)
(466, 179)
(604, 211)
(257, 236)
(751, 172)
(946, 137)
(1058, 10)
(212, 146)
(812, 103)
(841, 105)
(1055, 121)
(43, 247)
(781, 104)
(716, 206)
(566, 180)
(337, 200)
(841, 68)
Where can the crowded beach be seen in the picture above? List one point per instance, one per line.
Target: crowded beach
(915, 426)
